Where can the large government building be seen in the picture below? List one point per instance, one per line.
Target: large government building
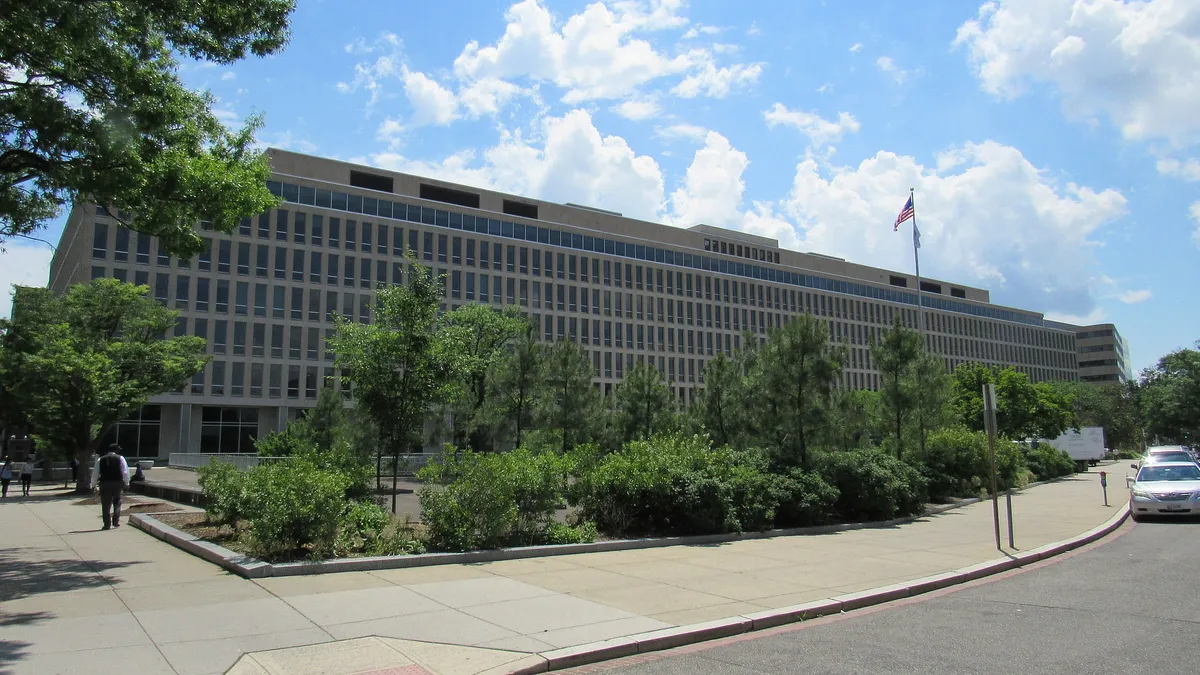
(264, 296)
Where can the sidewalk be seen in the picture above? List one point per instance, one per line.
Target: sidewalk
(75, 598)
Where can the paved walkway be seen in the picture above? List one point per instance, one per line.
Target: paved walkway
(76, 598)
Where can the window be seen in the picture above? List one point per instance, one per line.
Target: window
(162, 260)
(228, 429)
(280, 262)
(276, 341)
(314, 267)
(298, 265)
(242, 298)
(224, 252)
(299, 228)
(261, 254)
(239, 338)
(297, 304)
(381, 232)
(318, 230)
(216, 385)
(205, 263)
(366, 238)
(294, 347)
(137, 434)
(281, 225)
(100, 241)
(293, 383)
(256, 379)
(161, 283)
(314, 305)
(348, 271)
(260, 299)
(121, 249)
(275, 383)
(279, 294)
(182, 292)
(222, 296)
(313, 343)
(335, 233)
(351, 235)
(310, 382)
(202, 294)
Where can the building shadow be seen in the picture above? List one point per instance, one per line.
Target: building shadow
(22, 578)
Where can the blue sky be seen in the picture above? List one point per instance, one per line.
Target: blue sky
(1053, 144)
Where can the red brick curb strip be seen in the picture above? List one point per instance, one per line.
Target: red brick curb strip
(679, 636)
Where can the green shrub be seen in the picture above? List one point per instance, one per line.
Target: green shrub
(678, 485)
(872, 485)
(955, 463)
(559, 533)
(369, 529)
(474, 501)
(224, 487)
(807, 500)
(1046, 462)
(294, 506)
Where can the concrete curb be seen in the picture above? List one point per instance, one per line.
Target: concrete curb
(252, 568)
(679, 636)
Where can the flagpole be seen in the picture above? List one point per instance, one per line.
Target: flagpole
(917, 263)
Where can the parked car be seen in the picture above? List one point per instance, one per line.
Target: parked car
(1158, 453)
(1164, 488)
(1169, 457)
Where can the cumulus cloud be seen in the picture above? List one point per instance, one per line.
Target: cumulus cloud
(818, 129)
(431, 102)
(690, 132)
(23, 266)
(1188, 169)
(1132, 63)
(1134, 297)
(571, 161)
(1194, 212)
(638, 109)
(712, 189)
(372, 75)
(856, 47)
(888, 65)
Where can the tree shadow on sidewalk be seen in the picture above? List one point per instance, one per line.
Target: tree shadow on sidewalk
(11, 651)
(20, 578)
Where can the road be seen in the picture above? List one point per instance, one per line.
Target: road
(1124, 605)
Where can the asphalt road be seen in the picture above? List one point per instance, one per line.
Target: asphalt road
(1126, 605)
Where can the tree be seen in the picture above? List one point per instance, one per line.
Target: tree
(1170, 398)
(401, 365)
(795, 372)
(569, 403)
(92, 109)
(1112, 406)
(931, 395)
(86, 360)
(643, 403)
(481, 333)
(718, 405)
(851, 416)
(515, 383)
(895, 355)
(1023, 409)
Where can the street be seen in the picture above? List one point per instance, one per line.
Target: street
(1124, 605)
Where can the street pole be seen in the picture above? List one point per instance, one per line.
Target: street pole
(989, 421)
(1008, 505)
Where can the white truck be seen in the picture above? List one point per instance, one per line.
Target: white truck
(1085, 446)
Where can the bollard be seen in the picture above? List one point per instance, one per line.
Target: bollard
(1104, 486)
(1008, 505)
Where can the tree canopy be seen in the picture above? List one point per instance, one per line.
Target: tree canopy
(91, 107)
(79, 363)
(1024, 410)
(1170, 398)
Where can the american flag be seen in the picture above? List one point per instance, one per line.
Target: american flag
(905, 214)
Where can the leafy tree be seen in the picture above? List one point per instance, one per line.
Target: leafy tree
(400, 365)
(795, 372)
(643, 403)
(931, 395)
(1024, 409)
(481, 333)
(568, 403)
(852, 415)
(515, 383)
(895, 356)
(86, 360)
(1113, 406)
(1170, 398)
(718, 405)
(92, 108)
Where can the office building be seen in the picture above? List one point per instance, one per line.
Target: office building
(628, 291)
(1103, 354)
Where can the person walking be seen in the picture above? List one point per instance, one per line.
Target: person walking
(111, 474)
(74, 469)
(27, 475)
(6, 474)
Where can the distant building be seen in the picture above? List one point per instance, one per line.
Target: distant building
(629, 291)
(1103, 354)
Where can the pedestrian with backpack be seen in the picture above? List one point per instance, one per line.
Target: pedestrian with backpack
(111, 475)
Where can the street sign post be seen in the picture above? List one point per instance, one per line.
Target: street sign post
(989, 422)
(1104, 485)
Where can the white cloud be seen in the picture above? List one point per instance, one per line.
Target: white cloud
(712, 189)
(371, 75)
(695, 31)
(638, 109)
(688, 131)
(573, 162)
(228, 75)
(1134, 297)
(856, 47)
(1097, 315)
(987, 216)
(888, 65)
(288, 140)
(717, 82)
(1134, 63)
(24, 266)
(227, 116)
(819, 130)
(431, 102)
(486, 96)
(753, 30)
(1188, 169)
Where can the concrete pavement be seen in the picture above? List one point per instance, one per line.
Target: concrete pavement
(121, 601)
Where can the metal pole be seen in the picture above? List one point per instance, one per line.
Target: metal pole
(989, 418)
(917, 265)
(1008, 504)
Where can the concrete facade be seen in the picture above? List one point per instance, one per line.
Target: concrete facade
(628, 290)
(1103, 354)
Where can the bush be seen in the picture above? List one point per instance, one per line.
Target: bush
(678, 485)
(475, 501)
(1046, 462)
(294, 506)
(872, 485)
(224, 487)
(368, 528)
(584, 533)
(807, 500)
(955, 463)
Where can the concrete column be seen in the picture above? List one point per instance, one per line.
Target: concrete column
(185, 427)
(282, 419)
